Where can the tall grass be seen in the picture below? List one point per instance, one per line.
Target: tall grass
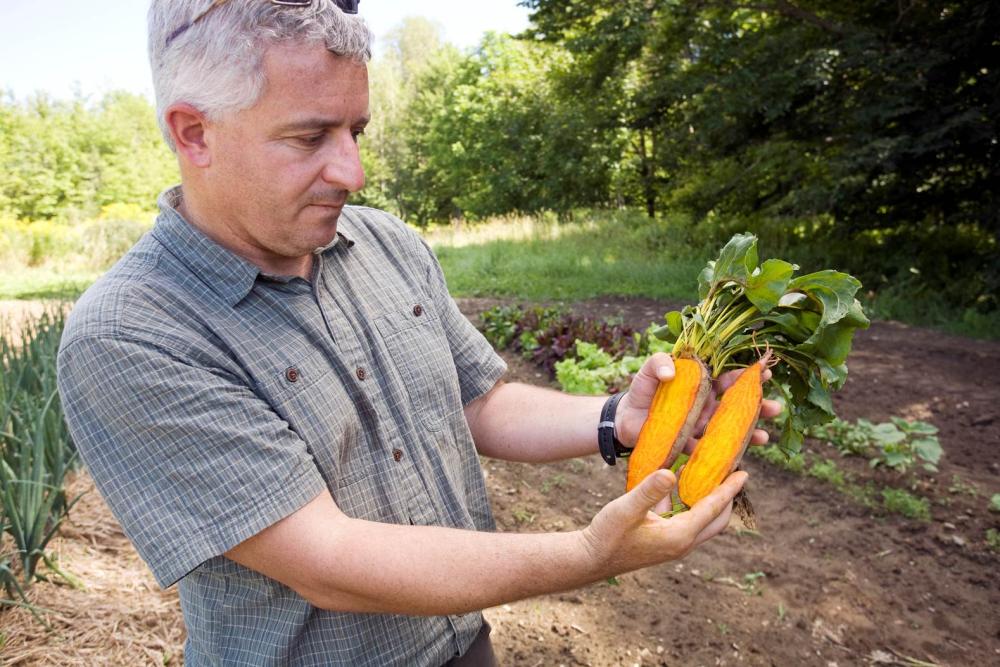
(600, 253)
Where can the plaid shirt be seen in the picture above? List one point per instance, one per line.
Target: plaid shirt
(210, 400)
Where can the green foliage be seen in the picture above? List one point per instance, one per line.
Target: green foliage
(500, 325)
(776, 456)
(67, 160)
(898, 444)
(486, 134)
(827, 471)
(594, 371)
(589, 373)
(901, 501)
(896, 501)
(862, 134)
(751, 583)
(993, 539)
(995, 503)
(36, 451)
(587, 356)
(807, 322)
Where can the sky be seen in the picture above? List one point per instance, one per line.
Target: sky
(65, 47)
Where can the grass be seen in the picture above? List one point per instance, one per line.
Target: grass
(526, 257)
(44, 283)
(536, 259)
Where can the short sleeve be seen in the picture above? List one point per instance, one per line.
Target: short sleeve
(191, 461)
(479, 366)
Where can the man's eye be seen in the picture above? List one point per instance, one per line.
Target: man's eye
(357, 134)
(310, 141)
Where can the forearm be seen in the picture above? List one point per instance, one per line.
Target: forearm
(424, 570)
(519, 422)
(350, 565)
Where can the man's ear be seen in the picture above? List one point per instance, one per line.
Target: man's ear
(187, 127)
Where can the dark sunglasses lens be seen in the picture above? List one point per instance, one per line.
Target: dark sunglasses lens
(348, 6)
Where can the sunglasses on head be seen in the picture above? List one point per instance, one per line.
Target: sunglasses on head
(346, 6)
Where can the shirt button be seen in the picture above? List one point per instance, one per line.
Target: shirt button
(397, 454)
(361, 373)
(292, 374)
(418, 310)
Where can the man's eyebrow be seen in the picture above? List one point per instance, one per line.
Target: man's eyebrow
(319, 123)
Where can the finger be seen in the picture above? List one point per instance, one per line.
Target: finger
(663, 506)
(711, 405)
(659, 367)
(759, 437)
(724, 381)
(717, 526)
(770, 409)
(643, 498)
(705, 511)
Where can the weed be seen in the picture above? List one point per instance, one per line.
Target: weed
(993, 539)
(901, 501)
(558, 481)
(794, 463)
(827, 471)
(523, 516)
(960, 486)
(995, 503)
(866, 495)
(750, 584)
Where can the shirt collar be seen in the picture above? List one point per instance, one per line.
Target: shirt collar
(226, 273)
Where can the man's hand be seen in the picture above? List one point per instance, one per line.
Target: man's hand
(627, 535)
(634, 406)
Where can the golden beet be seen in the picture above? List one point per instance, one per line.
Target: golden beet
(726, 437)
(672, 417)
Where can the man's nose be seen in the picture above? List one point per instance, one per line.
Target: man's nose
(343, 167)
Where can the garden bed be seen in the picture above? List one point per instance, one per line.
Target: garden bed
(825, 581)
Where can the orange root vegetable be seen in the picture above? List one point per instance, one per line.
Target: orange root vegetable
(726, 437)
(672, 417)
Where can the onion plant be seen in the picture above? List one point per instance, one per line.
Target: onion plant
(36, 451)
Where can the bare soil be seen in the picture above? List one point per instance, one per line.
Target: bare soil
(824, 582)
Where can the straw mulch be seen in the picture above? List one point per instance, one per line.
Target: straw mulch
(120, 617)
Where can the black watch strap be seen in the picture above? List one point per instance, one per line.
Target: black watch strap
(610, 446)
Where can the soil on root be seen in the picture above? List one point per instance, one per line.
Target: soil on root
(825, 581)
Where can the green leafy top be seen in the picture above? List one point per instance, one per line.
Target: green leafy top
(808, 322)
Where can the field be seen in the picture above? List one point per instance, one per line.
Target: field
(825, 582)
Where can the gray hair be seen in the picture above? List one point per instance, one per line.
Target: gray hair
(216, 65)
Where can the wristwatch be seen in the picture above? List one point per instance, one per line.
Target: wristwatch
(611, 447)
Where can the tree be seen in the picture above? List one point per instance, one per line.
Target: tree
(861, 123)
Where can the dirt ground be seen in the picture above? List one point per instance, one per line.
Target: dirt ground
(824, 582)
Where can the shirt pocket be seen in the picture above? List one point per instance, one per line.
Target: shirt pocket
(290, 372)
(420, 354)
(304, 390)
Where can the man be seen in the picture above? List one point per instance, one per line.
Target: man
(282, 404)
